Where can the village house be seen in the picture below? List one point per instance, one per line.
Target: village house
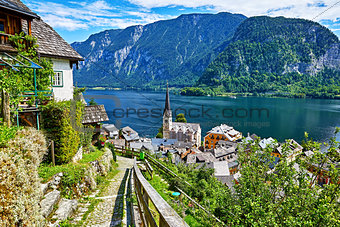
(221, 132)
(16, 17)
(186, 132)
(144, 144)
(94, 116)
(129, 135)
(160, 144)
(110, 131)
(292, 150)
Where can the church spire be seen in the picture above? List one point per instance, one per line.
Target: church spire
(167, 99)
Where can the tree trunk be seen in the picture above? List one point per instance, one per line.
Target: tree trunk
(5, 111)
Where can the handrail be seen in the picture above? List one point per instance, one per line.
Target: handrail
(165, 169)
(168, 171)
(145, 193)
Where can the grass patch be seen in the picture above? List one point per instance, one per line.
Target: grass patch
(72, 172)
(192, 221)
(90, 157)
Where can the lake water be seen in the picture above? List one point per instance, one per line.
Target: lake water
(280, 118)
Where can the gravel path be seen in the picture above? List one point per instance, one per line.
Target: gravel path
(110, 212)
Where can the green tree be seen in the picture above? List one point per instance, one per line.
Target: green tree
(92, 102)
(181, 118)
(160, 132)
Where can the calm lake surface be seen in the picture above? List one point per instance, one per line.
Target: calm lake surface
(280, 118)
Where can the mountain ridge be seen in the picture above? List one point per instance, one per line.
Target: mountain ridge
(277, 54)
(177, 50)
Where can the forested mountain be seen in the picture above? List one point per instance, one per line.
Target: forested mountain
(178, 50)
(292, 56)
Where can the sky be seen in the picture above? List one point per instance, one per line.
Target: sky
(77, 20)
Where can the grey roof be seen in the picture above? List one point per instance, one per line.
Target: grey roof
(264, 143)
(163, 142)
(128, 130)
(228, 180)
(131, 137)
(94, 114)
(205, 157)
(182, 144)
(51, 44)
(17, 7)
(118, 142)
(309, 153)
(254, 136)
(141, 145)
(129, 134)
(109, 127)
(191, 158)
(221, 168)
(232, 164)
(193, 127)
(221, 151)
(293, 147)
(226, 144)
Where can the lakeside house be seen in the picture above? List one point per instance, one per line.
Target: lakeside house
(184, 132)
(16, 17)
(222, 132)
(292, 150)
(110, 131)
(129, 135)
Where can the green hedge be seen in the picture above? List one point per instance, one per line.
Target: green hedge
(62, 122)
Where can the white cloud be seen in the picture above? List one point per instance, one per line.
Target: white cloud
(82, 15)
(102, 13)
(307, 9)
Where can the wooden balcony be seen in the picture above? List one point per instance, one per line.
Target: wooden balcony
(4, 38)
(7, 46)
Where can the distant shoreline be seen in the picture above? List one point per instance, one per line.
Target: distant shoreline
(177, 91)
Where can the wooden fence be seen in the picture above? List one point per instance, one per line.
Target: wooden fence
(148, 219)
(127, 151)
(154, 210)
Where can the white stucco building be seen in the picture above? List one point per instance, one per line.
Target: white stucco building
(52, 46)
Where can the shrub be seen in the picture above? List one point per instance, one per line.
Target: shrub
(112, 148)
(20, 190)
(63, 124)
(6, 133)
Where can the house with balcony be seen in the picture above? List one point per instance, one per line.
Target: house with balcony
(16, 17)
(222, 132)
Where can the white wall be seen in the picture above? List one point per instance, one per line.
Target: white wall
(66, 91)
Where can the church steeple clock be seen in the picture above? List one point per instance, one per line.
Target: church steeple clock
(167, 115)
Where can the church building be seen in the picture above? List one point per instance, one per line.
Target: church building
(186, 132)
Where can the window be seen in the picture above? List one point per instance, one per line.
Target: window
(2, 26)
(57, 79)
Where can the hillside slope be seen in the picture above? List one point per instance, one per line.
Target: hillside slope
(177, 50)
(292, 56)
